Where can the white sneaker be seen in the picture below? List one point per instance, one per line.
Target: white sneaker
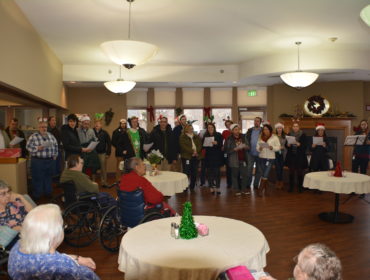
(238, 194)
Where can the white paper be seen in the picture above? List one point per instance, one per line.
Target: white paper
(93, 145)
(241, 146)
(16, 140)
(208, 141)
(264, 145)
(47, 144)
(318, 140)
(146, 147)
(361, 139)
(350, 140)
(291, 140)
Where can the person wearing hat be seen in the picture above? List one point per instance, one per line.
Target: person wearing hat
(69, 137)
(319, 152)
(163, 140)
(280, 155)
(176, 136)
(119, 137)
(137, 136)
(236, 149)
(225, 134)
(296, 158)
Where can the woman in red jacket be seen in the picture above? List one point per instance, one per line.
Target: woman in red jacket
(134, 178)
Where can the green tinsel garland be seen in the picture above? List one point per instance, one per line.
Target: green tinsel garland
(187, 227)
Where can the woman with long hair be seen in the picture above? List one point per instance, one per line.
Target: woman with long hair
(280, 155)
(190, 148)
(213, 158)
(267, 145)
(319, 152)
(361, 152)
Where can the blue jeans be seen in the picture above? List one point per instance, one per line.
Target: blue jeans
(251, 160)
(265, 166)
(42, 172)
(279, 166)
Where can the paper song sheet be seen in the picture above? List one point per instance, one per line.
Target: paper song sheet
(16, 140)
(291, 140)
(93, 145)
(318, 140)
(208, 141)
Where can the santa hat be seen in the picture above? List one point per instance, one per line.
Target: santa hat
(161, 117)
(181, 116)
(279, 124)
(320, 126)
(122, 121)
(266, 122)
(233, 126)
(85, 118)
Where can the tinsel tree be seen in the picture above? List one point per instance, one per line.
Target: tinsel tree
(187, 227)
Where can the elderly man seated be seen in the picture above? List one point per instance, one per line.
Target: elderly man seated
(316, 262)
(134, 170)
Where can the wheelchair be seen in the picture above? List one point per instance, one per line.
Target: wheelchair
(128, 212)
(82, 214)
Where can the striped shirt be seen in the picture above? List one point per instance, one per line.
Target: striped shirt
(49, 143)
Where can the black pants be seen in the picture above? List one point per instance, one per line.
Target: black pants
(360, 162)
(292, 172)
(213, 177)
(203, 173)
(190, 168)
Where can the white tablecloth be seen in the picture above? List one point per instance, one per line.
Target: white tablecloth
(352, 182)
(169, 182)
(149, 252)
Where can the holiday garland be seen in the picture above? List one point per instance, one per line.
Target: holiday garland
(187, 227)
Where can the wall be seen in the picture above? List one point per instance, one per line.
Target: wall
(343, 96)
(366, 100)
(27, 62)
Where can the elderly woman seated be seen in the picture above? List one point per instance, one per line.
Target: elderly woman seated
(13, 208)
(35, 256)
(134, 170)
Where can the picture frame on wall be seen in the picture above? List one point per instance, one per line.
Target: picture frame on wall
(367, 107)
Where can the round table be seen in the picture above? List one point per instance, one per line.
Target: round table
(351, 182)
(149, 252)
(169, 182)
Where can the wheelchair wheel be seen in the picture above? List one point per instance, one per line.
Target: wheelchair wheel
(151, 217)
(111, 230)
(81, 223)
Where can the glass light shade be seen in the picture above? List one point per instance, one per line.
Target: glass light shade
(129, 53)
(299, 79)
(365, 15)
(120, 86)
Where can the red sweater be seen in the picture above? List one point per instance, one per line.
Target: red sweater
(132, 181)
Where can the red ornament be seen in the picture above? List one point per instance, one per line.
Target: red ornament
(207, 112)
(150, 110)
(338, 170)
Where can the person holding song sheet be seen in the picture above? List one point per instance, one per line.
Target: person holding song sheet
(43, 148)
(319, 150)
(361, 152)
(267, 145)
(213, 158)
(296, 158)
(280, 156)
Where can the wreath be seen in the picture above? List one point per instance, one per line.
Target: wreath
(312, 104)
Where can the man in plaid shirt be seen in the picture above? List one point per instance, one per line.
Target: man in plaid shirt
(43, 148)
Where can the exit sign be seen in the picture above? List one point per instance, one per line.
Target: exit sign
(252, 92)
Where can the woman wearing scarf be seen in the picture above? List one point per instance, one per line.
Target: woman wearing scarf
(267, 145)
(190, 149)
(296, 158)
(361, 152)
(280, 156)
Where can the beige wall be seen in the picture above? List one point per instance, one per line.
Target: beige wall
(366, 100)
(26, 61)
(343, 96)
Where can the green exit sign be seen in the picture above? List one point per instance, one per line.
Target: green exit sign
(252, 92)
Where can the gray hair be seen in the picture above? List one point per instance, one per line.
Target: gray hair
(42, 230)
(4, 185)
(318, 262)
(131, 163)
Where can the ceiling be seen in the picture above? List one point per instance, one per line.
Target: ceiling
(207, 42)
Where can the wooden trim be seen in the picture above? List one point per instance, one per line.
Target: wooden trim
(234, 109)
(178, 98)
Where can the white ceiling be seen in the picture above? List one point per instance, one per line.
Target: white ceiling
(250, 40)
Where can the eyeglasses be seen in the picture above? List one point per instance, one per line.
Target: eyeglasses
(5, 193)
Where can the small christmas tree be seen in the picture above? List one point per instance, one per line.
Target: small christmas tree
(187, 227)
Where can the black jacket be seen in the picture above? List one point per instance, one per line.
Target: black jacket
(296, 156)
(122, 142)
(214, 157)
(117, 134)
(319, 157)
(22, 145)
(176, 135)
(70, 140)
(104, 146)
(164, 142)
(55, 131)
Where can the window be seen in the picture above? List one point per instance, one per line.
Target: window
(195, 115)
(169, 113)
(248, 117)
(141, 114)
(221, 114)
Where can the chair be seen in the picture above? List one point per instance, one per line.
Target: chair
(129, 212)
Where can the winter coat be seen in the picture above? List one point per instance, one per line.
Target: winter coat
(186, 146)
(232, 156)
(70, 140)
(160, 139)
(214, 156)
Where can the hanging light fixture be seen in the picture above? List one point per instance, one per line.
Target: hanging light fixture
(365, 15)
(299, 79)
(129, 53)
(120, 86)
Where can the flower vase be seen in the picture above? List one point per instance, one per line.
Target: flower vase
(154, 169)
